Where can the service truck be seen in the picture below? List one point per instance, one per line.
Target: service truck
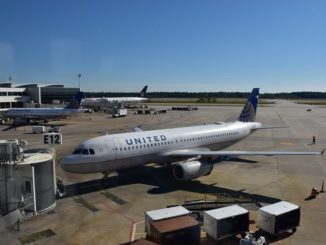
(120, 112)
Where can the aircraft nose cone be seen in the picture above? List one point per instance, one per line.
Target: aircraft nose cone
(67, 162)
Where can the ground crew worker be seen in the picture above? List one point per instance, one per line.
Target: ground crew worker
(313, 140)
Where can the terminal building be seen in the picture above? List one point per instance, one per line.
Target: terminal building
(34, 94)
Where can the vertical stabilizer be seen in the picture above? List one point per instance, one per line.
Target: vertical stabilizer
(248, 113)
(143, 92)
(75, 102)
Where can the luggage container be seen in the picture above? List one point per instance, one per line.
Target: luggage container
(178, 231)
(279, 217)
(38, 129)
(161, 214)
(224, 222)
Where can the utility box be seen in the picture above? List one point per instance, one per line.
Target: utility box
(279, 217)
(38, 129)
(161, 214)
(178, 230)
(224, 222)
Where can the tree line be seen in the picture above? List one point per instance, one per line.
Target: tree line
(212, 95)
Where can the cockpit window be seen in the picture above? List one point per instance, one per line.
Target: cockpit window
(83, 151)
(77, 151)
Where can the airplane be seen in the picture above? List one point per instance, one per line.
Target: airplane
(111, 102)
(191, 150)
(25, 115)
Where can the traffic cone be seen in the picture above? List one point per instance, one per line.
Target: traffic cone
(322, 187)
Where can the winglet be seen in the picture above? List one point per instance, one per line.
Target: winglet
(322, 152)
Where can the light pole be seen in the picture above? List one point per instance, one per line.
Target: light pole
(79, 76)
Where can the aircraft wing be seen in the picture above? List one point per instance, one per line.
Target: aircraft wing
(208, 153)
(272, 127)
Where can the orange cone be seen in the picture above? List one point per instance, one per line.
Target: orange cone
(322, 187)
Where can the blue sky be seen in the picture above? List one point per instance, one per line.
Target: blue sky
(206, 46)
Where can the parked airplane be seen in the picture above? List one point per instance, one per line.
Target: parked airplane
(110, 102)
(24, 115)
(192, 150)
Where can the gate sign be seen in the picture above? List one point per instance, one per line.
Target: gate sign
(52, 138)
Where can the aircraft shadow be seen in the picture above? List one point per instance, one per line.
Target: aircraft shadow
(13, 127)
(8, 128)
(242, 160)
(162, 181)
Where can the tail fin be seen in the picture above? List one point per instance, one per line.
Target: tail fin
(75, 102)
(143, 92)
(248, 112)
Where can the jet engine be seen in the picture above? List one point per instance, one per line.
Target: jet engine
(189, 170)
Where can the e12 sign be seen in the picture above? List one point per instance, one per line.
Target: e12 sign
(52, 138)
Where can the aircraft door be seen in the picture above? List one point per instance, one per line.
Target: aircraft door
(114, 150)
(104, 152)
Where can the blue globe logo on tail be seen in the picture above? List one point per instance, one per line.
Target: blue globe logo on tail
(248, 113)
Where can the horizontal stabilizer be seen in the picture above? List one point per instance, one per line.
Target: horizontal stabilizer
(138, 129)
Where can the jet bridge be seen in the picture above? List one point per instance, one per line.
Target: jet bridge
(27, 182)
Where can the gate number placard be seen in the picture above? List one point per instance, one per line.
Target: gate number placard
(52, 138)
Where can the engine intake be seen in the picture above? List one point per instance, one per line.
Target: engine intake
(189, 170)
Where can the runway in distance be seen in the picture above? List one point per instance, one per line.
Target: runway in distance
(192, 150)
(25, 115)
(111, 102)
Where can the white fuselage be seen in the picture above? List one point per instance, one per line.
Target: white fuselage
(111, 101)
(39, 113)
(118, 151)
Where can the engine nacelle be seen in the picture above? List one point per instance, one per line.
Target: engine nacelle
(184, 171)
